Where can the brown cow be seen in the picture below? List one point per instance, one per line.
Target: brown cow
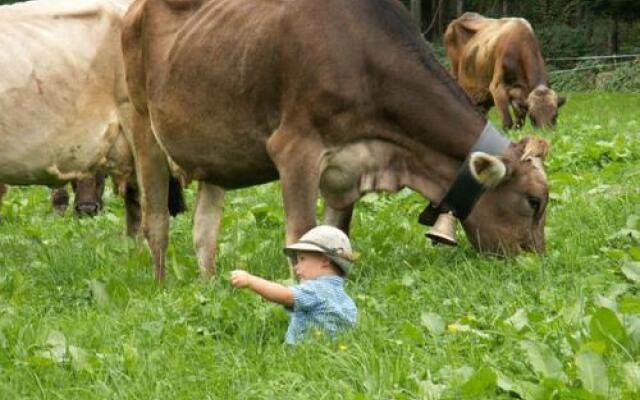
(87, 196)
(498, 61)
(341, 96)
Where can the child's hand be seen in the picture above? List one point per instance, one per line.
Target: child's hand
(240, 278)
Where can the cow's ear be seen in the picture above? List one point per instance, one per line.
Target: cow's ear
(561, 101)
(487, 169)
(534, 146)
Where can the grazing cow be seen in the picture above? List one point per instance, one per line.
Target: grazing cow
(341, 96)
(63, 96)
(499, 61)
(87, 196)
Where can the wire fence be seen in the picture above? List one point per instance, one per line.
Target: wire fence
(583, 58)
(619, 72)
(559, 65)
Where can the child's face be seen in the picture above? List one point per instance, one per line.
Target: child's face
(310, 265)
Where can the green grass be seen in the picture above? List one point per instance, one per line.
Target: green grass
(80, 316)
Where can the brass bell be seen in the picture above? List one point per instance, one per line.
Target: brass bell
(444, 230)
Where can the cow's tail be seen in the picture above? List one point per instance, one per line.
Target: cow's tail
(177, 204)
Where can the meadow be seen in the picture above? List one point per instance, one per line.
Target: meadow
(81, 318)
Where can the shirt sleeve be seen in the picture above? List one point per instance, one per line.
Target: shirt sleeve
(305, 297)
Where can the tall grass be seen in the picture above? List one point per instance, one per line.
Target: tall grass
(80, 316)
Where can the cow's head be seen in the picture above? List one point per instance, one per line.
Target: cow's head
(543, 105)
(88, 194)
(509, 216)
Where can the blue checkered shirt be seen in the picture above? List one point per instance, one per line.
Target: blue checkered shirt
(320, 303)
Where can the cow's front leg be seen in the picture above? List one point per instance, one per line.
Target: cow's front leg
(206, 225)
(296, 153)
(341, 219)
(152, 170)
(501, 100)
(520, 113)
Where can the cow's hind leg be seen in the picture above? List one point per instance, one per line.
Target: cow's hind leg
(132, 208)
(206, 225)
(153, 174)
(341, 219)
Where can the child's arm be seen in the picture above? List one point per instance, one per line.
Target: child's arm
(271, 291)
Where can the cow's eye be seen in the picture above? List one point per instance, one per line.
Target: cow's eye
(534, 202)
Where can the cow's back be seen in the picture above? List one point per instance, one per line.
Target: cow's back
(259, 59)
(62, 80)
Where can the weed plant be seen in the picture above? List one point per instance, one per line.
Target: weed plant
(81, 318)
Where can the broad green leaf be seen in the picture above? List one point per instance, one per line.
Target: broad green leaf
(456, 327)
(634, 252)
(532, 391)
(260, 211)
(593, 373)
(99, 293)
(507, 384)
(408, 281)
(625, 233)
(631, 374)
(543, 361)
(618, 289)
(595, 346)
(605, 325)
(81, 360)
(630, 305)
(455, 377)
(519, 319)
(58, 346)
(632, 325)
(482, 380)
(631, 269)
(614, 254)
(41, 359)
(431, 391)
(633, 222)
(606, 302)
(412, 334)
(433, 322)
(572, 313)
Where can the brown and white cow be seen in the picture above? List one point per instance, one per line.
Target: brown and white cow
(338, 96)
(63, 97)
(499, 61)
(87, 193)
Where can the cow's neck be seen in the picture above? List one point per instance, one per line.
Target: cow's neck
(535, 72)
(435, 121)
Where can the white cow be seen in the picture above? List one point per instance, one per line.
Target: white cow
(63, 95)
